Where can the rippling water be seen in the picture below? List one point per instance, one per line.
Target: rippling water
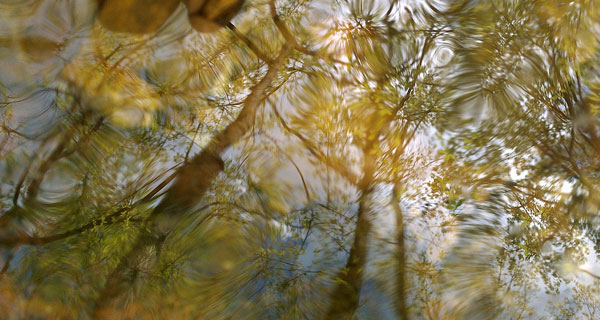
(319, 159)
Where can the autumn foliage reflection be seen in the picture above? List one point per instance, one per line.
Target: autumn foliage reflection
(318, 159)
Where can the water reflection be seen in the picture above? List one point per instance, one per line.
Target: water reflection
(299, 159)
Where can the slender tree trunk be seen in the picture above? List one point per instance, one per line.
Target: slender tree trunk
(401, 306)
(345, 296)
(192, 181)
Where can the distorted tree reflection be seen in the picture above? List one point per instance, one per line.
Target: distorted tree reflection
(299, 159)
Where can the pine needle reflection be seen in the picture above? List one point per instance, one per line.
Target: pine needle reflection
(299, 159)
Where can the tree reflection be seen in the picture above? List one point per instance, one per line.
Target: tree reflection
(299, 159)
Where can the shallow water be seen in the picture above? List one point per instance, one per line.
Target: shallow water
(299, 160)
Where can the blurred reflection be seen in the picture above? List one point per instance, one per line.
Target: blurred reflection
(299, 159)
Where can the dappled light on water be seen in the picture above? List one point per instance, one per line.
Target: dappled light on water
(246, 159)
